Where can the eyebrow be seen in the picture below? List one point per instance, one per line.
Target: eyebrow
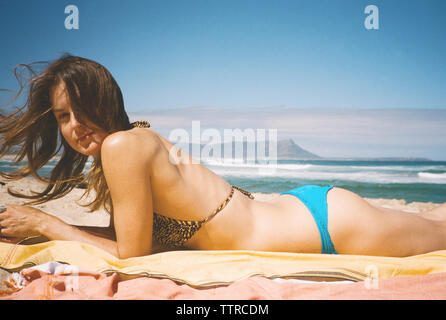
(58, 110)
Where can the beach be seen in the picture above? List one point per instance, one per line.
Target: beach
(69, 208)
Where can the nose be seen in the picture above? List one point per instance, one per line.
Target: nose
(74, 122)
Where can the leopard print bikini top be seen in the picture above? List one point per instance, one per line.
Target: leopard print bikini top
(173, 232)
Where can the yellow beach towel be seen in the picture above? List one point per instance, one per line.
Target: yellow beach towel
(210, 268)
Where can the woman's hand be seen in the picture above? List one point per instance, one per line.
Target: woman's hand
(21, 221)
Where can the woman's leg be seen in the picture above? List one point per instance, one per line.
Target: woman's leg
(438, 213)
(357, 227)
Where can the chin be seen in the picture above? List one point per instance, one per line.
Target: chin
(92, 150)
(88, 148)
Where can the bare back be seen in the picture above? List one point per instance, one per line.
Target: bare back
(190, 191)
(187, 190)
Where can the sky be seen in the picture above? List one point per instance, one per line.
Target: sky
(310, 69)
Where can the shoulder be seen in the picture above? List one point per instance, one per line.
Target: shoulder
(136, 144)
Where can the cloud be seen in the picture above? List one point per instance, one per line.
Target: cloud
(342, 132)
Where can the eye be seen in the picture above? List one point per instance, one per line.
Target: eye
(62, 116)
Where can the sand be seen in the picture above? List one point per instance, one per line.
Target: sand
(69, 209)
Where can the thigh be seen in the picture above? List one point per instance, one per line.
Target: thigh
(357, 227)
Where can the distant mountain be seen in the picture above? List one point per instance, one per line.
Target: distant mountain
(286, 150)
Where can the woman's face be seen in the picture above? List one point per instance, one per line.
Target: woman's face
(85, 137)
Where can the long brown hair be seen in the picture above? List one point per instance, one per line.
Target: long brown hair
(33, 133)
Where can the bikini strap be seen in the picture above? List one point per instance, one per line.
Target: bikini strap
(141, 124)
(247, 193)
(224, 203)
(220, 207)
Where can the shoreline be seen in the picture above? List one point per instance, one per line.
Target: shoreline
(70, 210)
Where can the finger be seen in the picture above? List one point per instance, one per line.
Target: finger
(4, 217)
(10, 239)
(4, 211)
(7, 240)
(9, 207)
(12, 207)
(6, 232)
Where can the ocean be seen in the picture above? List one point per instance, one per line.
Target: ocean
(421, 181)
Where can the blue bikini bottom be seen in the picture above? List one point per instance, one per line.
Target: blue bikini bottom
(315, 199)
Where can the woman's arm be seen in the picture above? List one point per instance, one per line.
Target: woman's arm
(55, 229)
(126, 163)
(103, 232)
(21, 222)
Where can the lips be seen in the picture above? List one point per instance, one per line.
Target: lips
(84, 136)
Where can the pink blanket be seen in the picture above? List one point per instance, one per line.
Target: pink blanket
(90, 285)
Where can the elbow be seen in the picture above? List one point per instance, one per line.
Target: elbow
(126, 254)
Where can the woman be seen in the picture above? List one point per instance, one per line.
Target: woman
(155, 203)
